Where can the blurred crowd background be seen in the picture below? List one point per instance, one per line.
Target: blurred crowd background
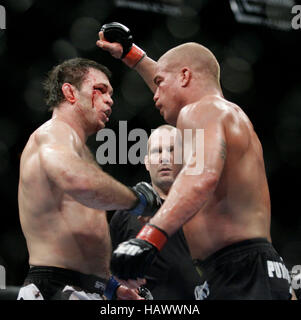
(255, 42)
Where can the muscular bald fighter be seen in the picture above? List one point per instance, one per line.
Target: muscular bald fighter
(224, 207)
(63, 193)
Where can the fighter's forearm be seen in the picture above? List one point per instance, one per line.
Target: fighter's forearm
(85, 181)
(146, 69)
(96, 189)
(187, 196)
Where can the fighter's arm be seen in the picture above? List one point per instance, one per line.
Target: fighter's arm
(146, 69)
(82, 180)
(197, 181)
(190, 192)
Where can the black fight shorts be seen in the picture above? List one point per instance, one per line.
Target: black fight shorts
(52, 283)
(246, 270)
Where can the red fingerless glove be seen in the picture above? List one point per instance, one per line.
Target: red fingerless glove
(133, 56)
(154, 235)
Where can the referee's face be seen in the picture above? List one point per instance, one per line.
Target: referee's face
(160, 161)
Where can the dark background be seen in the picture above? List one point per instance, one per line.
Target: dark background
(260, 71)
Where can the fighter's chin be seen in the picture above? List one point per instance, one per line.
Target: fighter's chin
(99, 125)
(170, 118)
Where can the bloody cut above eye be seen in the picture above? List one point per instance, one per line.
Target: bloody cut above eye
(103, 89)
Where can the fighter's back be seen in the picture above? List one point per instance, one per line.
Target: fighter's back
(244, 181)
(34, 183)
(239, 208)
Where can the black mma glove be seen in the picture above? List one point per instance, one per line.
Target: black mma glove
(148, 200)
(145, 293)
(133, 258)
(117, 32)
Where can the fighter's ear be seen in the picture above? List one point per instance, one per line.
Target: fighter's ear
(69, 92)
(185, 76)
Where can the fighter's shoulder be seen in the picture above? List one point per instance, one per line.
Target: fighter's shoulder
(210, 108)
(54, 132)
(237, 126)
(232, 115)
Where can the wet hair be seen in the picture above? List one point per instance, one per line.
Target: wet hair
(71, 71)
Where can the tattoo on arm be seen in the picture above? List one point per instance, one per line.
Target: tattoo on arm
(223, 150)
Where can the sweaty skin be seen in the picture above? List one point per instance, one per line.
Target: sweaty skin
(59, 231)
(228, 201)
(62, 191)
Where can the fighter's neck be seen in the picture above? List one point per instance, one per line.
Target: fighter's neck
(201, 92)
(73, 119)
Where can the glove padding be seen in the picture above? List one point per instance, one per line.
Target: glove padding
(132, 259)
(145, 293)
(117, 32)
(149, 201)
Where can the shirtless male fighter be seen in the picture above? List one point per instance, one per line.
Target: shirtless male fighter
(225, 207)
(63, 193)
